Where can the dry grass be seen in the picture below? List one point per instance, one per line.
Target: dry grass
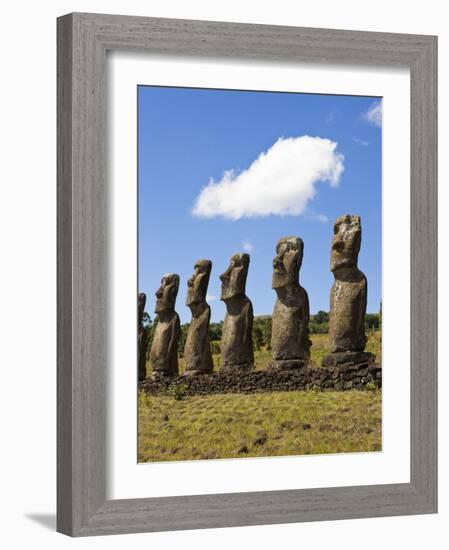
(263, 424)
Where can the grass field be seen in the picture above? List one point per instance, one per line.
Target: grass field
(261, 424)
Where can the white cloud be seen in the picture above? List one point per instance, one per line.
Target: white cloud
(312, 216)
(281, 181)
(361, 142)
(374, 114)
(331, 116)
(211, 298)
(248, 246)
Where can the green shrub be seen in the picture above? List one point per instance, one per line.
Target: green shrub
(177, 391)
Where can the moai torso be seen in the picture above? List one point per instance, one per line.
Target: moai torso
(197, 352)
(237, 340)
(290, 322)
(142, 338)
(349, 291)
(347, 314)
(290, 327)
(164, 348)
(237, 336)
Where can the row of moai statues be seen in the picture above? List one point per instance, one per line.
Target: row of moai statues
(290, 344)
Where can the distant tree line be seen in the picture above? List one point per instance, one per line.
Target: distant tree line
(318, 324)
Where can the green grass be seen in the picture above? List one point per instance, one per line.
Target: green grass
(260, 424)
(374, 344)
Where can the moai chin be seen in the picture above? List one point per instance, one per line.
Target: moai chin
(237, 337)
(197, 352)
(164, 348)
(142, 338)
(290, 321)
(347, 338)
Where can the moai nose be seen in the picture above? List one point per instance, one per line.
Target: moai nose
(224, 277)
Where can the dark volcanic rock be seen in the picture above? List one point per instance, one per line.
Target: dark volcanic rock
(348, 359)
(324, 378)
(261, 439)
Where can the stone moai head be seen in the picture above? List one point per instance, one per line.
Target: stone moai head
(346, 242)
(198, 282)
(287, 262)
(233, 280)
(142, 299)
(167, 292)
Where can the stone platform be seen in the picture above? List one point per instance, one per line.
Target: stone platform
(286, 365)
(340, 378)
(348, 359)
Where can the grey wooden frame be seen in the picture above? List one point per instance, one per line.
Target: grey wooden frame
(83, 40)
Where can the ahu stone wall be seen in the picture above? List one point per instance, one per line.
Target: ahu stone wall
(342, 377)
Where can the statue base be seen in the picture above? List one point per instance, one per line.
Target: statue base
(287, 364)
(236, 369)
(192, 372)
(161, 375)
(348, 358)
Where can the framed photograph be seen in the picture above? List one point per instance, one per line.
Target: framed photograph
(247, 234)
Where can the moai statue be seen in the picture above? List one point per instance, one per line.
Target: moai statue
(197, 353)
(142, 338)
(347, 337)
(290, 322)
(164, 348)
(237, 338)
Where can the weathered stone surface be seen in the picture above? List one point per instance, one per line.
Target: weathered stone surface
(349, 291)
(347, 338)
(286, 364)
(247, 381)
(164, 348)
(142, 337)
(348, 358)
(290, 322)
(237, 337)
(197, 352)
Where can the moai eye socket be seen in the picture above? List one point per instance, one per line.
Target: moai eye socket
(339, 246)
(336, 229)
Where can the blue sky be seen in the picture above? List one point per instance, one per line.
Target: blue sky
(201, 196)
